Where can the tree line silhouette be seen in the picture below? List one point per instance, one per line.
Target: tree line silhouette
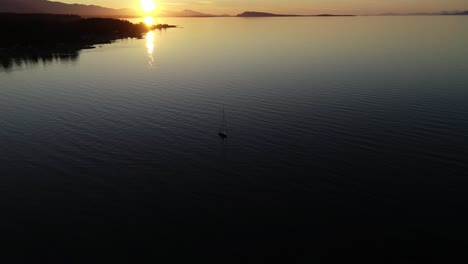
(47, 30)
(29, 38)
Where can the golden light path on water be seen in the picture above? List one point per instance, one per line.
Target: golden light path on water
(150, 47)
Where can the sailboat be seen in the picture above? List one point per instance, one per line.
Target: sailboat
(223, 129)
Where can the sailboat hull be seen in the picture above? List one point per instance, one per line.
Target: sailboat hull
(222, 134)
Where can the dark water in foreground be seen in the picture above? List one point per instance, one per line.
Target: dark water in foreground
(348, 137)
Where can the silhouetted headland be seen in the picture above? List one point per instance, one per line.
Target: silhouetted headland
(27, 31)
(263, 14)
(46, 36)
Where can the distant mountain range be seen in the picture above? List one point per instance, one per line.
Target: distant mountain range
(44, 6)
(51, 7)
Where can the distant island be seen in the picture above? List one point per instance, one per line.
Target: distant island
(48, 33)
(263, 14)
(464, 13)
(443, 13)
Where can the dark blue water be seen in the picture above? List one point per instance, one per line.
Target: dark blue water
(347, 138)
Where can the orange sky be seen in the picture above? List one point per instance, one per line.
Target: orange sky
(292, 6)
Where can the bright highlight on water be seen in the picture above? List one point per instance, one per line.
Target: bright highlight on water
(149, 21)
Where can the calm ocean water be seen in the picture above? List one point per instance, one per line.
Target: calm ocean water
(345, 135)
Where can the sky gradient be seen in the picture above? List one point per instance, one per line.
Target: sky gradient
(292, 6)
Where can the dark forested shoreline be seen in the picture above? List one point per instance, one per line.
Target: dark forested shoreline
(49, 35)
(47, 32)
(25, 31)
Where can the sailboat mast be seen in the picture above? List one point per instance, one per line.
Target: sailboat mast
(223, 130)
(224, 120)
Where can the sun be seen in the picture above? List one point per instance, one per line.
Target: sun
(148, 6)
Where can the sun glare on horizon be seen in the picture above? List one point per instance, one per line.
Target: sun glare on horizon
(148, 6)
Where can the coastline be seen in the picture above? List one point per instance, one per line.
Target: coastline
(47, 34)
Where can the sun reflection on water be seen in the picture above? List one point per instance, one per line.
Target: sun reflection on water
(149, 21)
(150, 47)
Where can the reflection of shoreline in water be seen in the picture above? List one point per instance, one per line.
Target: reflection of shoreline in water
(17, 60)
